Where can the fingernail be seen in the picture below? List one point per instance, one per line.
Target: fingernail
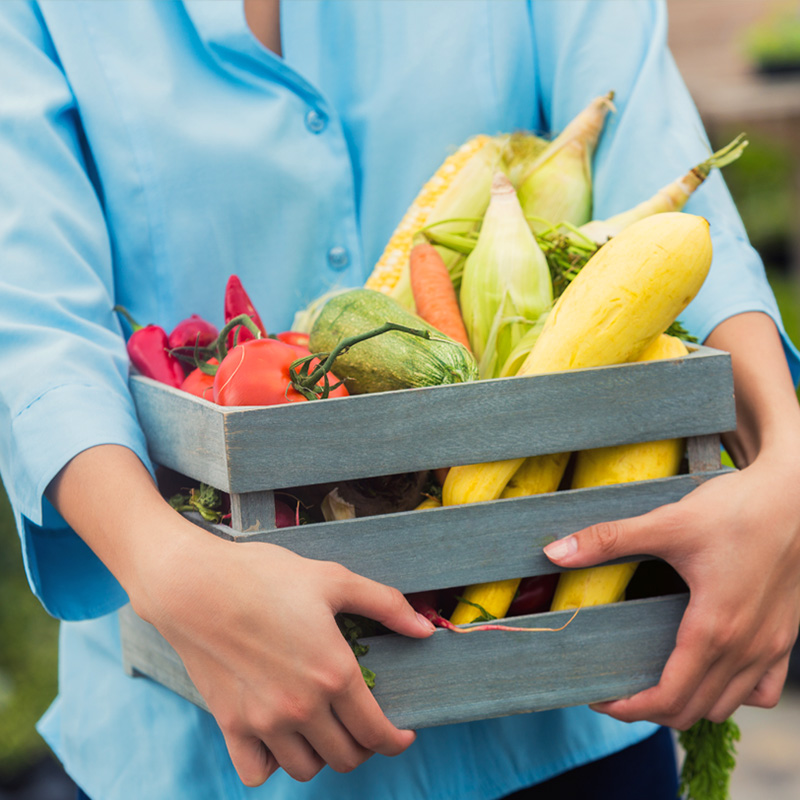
(425, 622)
(562, 548)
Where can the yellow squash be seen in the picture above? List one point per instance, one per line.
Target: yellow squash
(604, 466)
(625, 297)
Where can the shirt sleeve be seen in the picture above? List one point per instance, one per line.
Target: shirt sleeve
(584, 49)
(64, 371)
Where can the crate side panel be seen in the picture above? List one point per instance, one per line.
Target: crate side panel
(605, 653)
(146, 652)
(183, 433)
(472, 543)
(394, 432)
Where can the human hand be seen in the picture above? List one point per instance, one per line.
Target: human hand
(254, 625)
(735, 541)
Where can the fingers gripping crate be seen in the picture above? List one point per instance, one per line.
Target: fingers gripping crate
(606, 652)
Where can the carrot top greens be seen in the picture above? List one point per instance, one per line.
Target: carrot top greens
(710, 759)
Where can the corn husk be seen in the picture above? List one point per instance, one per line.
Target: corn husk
(558, 185)
(506, 283)
(459, 189)
(521, 150)
(523, 347)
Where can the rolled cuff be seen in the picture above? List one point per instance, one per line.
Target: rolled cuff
(64, 573)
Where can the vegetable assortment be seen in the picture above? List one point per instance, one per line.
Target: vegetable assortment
(618, 285)
(497, 269)
(239, 365)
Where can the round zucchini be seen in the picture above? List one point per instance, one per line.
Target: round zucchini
(393, 360)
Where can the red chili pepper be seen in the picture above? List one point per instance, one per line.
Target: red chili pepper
(237, 301)
(193, 331)
(149, 353)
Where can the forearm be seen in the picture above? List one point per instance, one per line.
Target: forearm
(253, 623)
(108, 497)
(767, 412)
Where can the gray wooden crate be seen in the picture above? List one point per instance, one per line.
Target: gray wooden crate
(606, 652)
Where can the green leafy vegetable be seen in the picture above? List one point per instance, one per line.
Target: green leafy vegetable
(485, 616)
(206, 500)
(710, 749)
(677, 330)
(352, 629)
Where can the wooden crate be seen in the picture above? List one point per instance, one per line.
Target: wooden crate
(606, 652)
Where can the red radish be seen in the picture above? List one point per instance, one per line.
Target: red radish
(286, 517)
(534, 595)
(193, 331)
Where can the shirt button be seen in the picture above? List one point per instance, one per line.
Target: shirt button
(315, 122)
(338, 258)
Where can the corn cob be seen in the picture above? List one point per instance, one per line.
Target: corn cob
(604, 466)
(460, 188)
(558, 184)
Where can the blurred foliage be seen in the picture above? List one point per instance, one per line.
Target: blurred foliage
(774, 42)
(28, 645)
(760, 182)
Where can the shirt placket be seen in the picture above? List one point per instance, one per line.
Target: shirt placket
(223, 29)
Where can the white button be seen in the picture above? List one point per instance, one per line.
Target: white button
(338, 257)
(315, 122)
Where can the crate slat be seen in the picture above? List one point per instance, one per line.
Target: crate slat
(415, 550)
(415, 429)
(606, 652)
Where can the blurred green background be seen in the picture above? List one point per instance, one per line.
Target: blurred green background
(28, 640)
(28, 636)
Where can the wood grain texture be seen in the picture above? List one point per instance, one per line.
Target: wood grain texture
(703, 453)
(382, 434)
(184, 432)
(252, 511)
(606, 652)
(458, 545)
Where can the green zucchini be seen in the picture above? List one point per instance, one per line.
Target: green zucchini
(393, 360)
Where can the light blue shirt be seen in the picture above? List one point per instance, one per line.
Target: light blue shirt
(150, 149)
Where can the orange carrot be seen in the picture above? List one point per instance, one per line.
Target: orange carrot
(434, 295)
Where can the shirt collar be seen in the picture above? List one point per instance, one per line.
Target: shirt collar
(222, 29)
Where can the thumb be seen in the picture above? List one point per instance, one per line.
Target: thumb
(606, 541)
(385, 605)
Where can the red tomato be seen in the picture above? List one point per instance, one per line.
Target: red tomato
(200, 384)
(294, 337)
(256, 373)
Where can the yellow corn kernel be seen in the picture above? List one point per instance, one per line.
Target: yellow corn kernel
(460, 187)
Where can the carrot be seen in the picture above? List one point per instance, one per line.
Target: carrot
(434, 295)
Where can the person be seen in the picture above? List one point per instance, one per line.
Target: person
(149, 150)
